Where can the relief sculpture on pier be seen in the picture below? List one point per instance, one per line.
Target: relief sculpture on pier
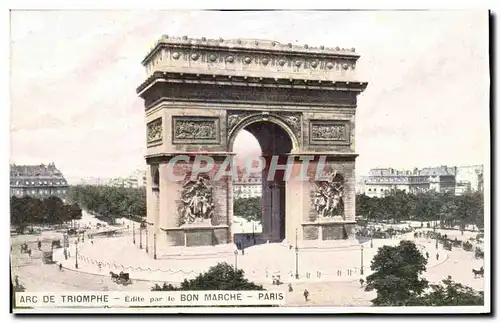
(197, 201)
(329, 196)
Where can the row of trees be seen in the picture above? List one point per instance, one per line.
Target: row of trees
(452, 210)
(397, 279)
(27, 211)
(248, 208)
(430, 206)
(110, 202)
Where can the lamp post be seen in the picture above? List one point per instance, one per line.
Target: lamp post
(133, 231)
(236, 259)
(296, 255)
(362, 260)
(76, 254)
(147, 240)
(140, 236)
(253, 232)
(435, 233)
(154, 245)
(65, 237)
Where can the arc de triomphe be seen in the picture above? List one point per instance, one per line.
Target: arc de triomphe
(298, 101)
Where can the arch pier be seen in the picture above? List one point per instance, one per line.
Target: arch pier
(298, 101)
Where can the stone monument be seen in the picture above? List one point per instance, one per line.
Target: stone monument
(298, 101)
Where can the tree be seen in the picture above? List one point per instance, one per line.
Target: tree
(19, 215)
(55, 210)
(248, 208)
(28, 211)
(449, 293)
(219, 277)
(363, 207)
(397, 205)
(395, 276)
(108, 203)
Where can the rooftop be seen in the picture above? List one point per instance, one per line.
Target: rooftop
(427, 171)
(41, 170)
(249, 44)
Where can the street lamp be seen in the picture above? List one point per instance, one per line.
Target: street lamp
(133, 231)
(154, 245)
(65, 237)
(296, 255)
(140, 236)
(147, 240)
(253, 232)
(236, 259)
(362, 259)
(76, 254)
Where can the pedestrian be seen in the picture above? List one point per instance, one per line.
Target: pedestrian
(306, 294)
(243, 251)
(427, 255)
(361, 281)
(17, 281)
(290, 288)
(290, 248)
(60, 266)
(437, 256)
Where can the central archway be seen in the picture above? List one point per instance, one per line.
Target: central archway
(275, 142)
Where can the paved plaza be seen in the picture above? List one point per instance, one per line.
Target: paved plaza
(260, 262)
(341, 291)
(331, 274)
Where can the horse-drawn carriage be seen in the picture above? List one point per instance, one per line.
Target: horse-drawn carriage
(121, 278)
(47, 257)
(24, 248)
(56, 244)
(478, 273)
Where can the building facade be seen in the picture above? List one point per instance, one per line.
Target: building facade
(382, 181)
(472, 174)
(463, 187)
(135, 180)
(247, 186)
(39, 181)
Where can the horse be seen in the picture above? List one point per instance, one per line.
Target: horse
(114, 276)
(478, 273)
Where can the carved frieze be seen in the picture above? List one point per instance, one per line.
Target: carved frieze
(294, 121)
(154, 132)
(195, 129)
(234, 118)
(197, 201)
(266, 55)
(329, 131)
(328, 197)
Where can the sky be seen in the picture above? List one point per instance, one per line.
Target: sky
(74, 76)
